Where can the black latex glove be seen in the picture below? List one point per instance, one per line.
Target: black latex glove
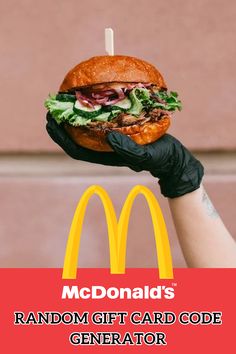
(179, 172)
(60, 136)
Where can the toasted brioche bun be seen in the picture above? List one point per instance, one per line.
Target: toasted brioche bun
(95, 138)
(108, 68)
(114, 69)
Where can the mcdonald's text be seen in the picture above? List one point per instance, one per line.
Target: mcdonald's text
(101, 292)
(199, 319)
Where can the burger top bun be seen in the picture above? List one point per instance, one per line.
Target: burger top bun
(117, 68)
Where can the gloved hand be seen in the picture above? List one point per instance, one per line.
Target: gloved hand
(60, 136)
(179, 172)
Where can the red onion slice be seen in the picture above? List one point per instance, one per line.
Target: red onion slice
(84, 100)
(101, 100)
(103, 96)
(120, 93)
(109, 103)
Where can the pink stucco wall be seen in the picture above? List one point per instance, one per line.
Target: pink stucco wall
(38, 212)
(191, 42)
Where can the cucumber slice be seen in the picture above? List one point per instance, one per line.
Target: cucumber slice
(124, 104)
(88, 112)
(102, 117)
(115, 113)
(80, 106)
(65, 97)
(76, 120)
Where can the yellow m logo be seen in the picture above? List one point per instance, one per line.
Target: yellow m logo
(117, 232)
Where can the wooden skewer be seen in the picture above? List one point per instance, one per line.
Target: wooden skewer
(109, 41)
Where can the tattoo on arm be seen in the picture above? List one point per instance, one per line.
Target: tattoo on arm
(209, 206)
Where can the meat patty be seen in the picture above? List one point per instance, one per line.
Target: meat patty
(124, 119)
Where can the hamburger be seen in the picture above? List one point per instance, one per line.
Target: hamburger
(106, 93)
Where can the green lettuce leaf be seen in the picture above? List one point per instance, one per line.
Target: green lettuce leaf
(140, 98)
(76, 120)
(61, 111)
(171, 100)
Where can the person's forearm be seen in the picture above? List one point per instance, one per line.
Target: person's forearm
(203, 237)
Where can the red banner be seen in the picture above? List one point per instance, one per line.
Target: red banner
(99, 312)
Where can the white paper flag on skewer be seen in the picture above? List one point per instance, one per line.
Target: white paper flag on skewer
(109, 41)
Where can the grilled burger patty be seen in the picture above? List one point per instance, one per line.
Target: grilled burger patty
(124, 119)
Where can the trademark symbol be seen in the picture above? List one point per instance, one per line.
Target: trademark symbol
(174, 284)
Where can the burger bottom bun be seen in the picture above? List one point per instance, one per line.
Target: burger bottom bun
(94, 138)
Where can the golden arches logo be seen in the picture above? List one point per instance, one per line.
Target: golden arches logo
(117, 232)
